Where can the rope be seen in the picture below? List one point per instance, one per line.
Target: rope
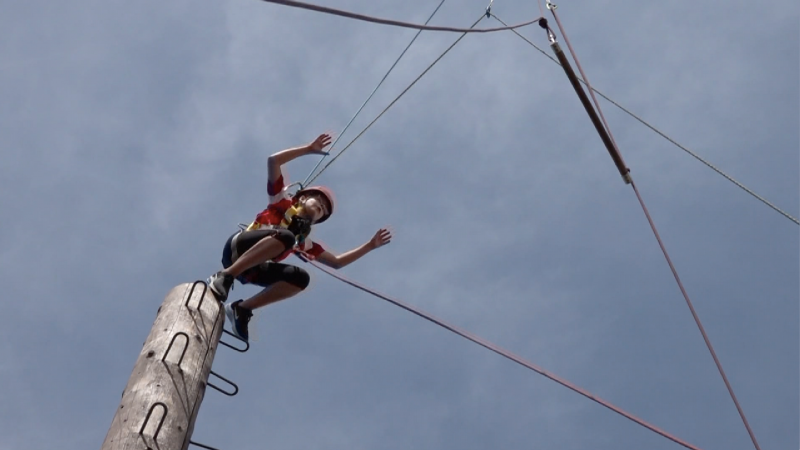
(664, 250)
(552, 9)
(373, 92)
(696, 319)
(396, 99)
(663, 135)
(506, 354)
(350, 15)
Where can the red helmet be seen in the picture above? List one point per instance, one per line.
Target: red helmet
(324, 192)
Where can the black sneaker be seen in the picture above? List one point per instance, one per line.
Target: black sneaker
(220, 283)
(239, 318)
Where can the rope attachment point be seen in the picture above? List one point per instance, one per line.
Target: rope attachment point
(551, 37)
(587, 104)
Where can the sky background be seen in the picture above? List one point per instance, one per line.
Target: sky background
(135, 137)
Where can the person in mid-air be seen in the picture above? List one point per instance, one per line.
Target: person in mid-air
(254, 255)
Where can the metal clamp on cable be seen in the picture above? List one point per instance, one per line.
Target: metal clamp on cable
(296, 183)
(550, 35)
(489, 9)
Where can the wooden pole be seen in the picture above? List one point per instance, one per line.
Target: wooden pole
(163, 395)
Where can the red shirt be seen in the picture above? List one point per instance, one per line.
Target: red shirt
(279, 201)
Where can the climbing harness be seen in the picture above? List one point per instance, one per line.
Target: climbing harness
(292, 220)
(297, 224)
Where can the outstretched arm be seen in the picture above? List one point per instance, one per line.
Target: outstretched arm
(276, 160)
(381, 238)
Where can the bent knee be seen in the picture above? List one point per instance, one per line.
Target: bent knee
(298, 278)
(285, 237)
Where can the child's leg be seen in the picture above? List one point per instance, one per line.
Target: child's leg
(247, 250)
(275, 293)
(281, 280)
(258, 249)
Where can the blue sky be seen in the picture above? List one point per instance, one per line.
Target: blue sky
(135, 138)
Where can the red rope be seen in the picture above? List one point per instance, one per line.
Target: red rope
(396, 23)
(660, 243)
(696, 318)
(506, 354)
(589, 86)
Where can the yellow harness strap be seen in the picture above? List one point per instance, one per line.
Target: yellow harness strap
(287, 218)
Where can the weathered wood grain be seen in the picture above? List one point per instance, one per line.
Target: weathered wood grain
(170, 375)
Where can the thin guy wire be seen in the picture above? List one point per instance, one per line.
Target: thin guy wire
(661, 244)
(373, 92)
(663, 248)
(396, 99)
(660, 133)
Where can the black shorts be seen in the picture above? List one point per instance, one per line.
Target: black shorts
(267, 273)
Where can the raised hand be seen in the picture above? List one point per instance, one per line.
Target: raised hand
(319, 144)
(381, 238)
